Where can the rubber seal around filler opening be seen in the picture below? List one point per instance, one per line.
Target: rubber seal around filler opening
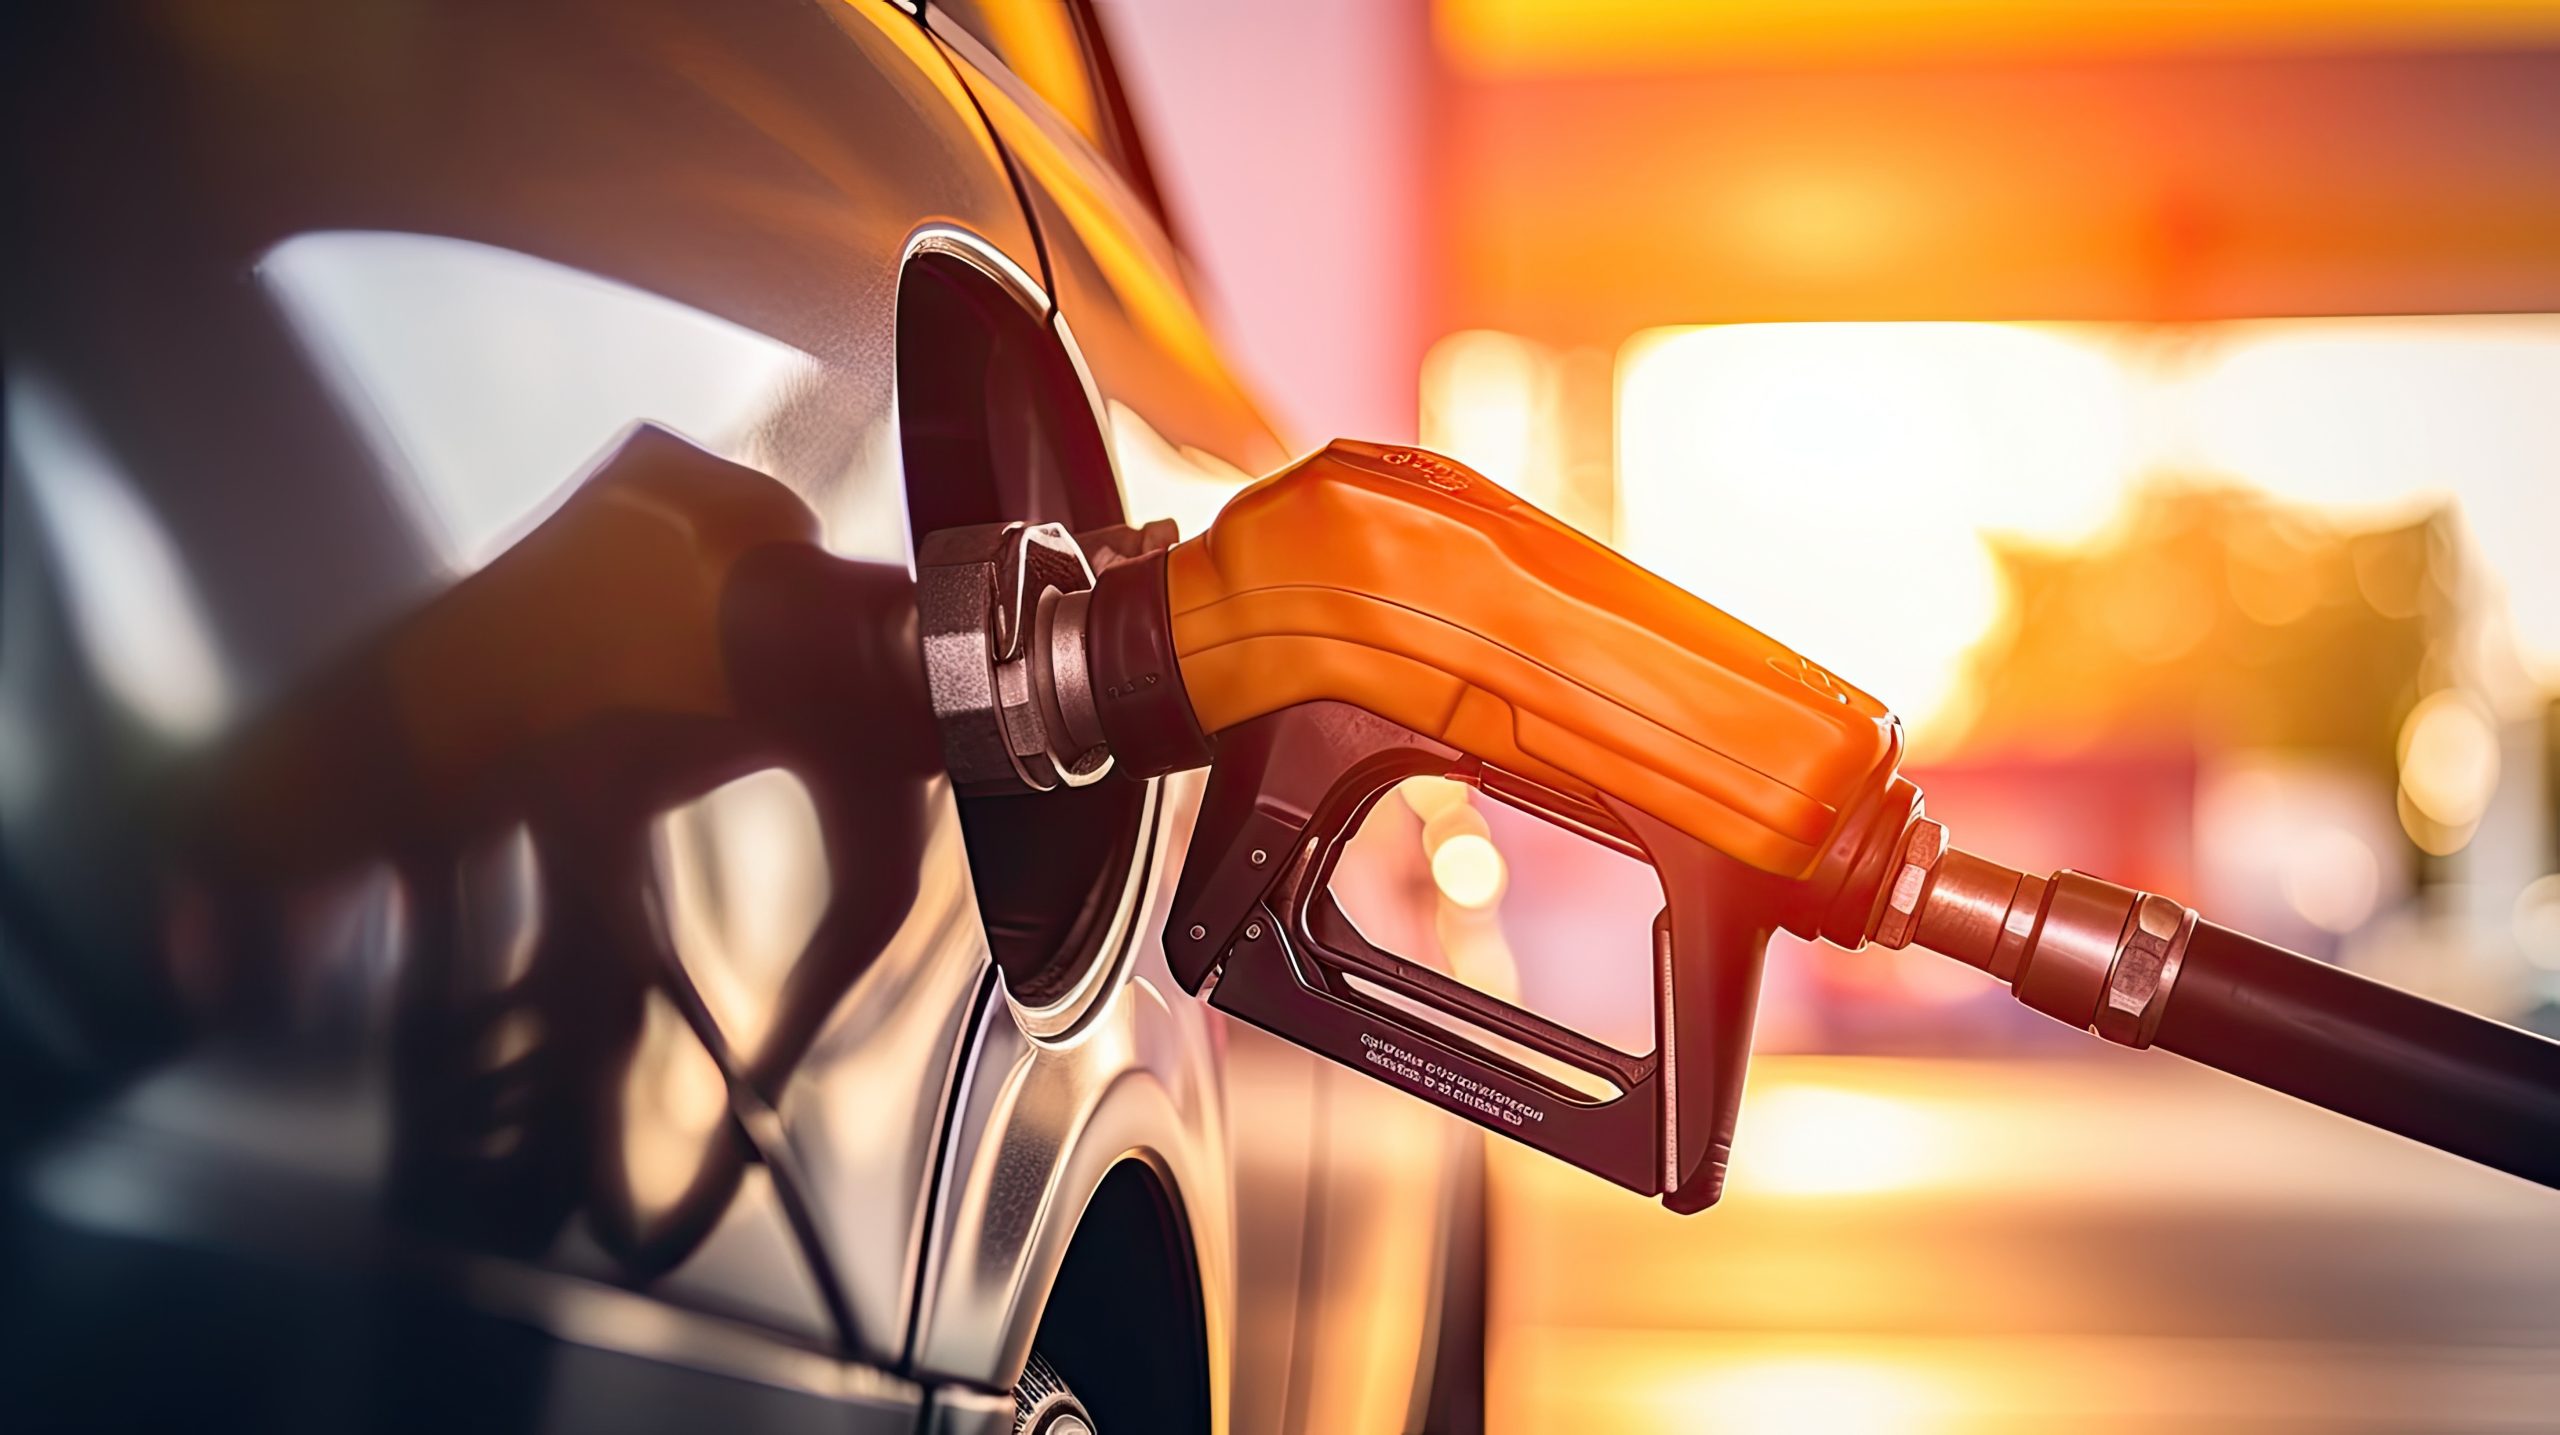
(1137, 678)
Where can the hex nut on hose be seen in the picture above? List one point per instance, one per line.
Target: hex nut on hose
(1923, 844)
(2144, 971)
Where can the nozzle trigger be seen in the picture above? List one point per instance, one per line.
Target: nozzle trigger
(1255, 912)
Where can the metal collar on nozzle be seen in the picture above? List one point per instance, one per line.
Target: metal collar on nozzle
(1004, 611)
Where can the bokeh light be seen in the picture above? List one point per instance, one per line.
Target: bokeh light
(2374, 416)
(1808, 1138)
(1469, 870)
(1820, 1394)
(1829, 483)
(2332, 879)
(2537, 922)
(1487, 398)
(2448, 762)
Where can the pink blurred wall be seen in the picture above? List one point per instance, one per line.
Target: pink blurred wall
(1289, 141)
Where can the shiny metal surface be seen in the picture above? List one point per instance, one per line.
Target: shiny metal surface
(324, 388)
(1038, 1124)
(1119, 941)
(1967, 906)
(969, 1412)
(1069, 682)
(2018, 929)
(2087, 953)
(2065, 971)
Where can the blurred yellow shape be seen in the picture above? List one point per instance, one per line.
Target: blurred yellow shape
(1815, 1139)
(1822, 219)
(1431, 796)
(1816, 1394)
(2332, 879)
(1829, 483)
(1488, 402)
(1468, 870)
(1039, 43)
(2380, 420)
(2274, 582)
(2537, 922)
(2157, 616)
(1514, 38)
(2448, 759)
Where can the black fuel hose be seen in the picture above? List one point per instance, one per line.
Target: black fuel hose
(2432, 1073)
(2143, 970)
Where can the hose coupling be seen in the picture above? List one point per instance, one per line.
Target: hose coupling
(2083, 951)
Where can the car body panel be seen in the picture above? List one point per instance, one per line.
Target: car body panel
(661, 1059)
(1038, 1125)
(466, 280)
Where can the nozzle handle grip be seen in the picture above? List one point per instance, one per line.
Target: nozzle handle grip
(1403, 584)
(1255, 929)
(2456, 1081)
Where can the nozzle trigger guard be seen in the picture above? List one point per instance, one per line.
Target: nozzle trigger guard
(1254, 926)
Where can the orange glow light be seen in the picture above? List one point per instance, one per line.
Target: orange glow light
(1518, 38)
(1816, 1139)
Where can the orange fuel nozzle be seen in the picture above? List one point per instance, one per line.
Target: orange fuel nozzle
(1372, 613)
(1400, 583)
(1375, 613)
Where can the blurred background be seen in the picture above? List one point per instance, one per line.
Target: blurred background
(2159, 405)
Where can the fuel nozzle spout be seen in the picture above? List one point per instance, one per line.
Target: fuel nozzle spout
(2144, 970)
(1022, 626)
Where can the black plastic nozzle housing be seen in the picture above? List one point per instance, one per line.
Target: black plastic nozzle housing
(1146, 713)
